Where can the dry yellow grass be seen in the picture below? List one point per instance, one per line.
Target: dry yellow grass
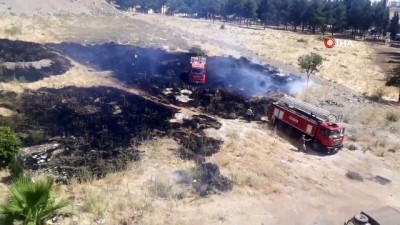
(129, 197)
(3, 187)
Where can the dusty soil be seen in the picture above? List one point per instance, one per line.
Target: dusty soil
(62, 7)
(271, 180)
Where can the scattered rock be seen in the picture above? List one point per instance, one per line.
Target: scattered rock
(381, 180)
(183, 98)
(186, 92)
(354, 176)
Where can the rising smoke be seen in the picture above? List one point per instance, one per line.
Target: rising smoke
(253, 79)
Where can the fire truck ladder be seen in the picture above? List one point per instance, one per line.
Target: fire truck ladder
(200, 60)
(306, 107)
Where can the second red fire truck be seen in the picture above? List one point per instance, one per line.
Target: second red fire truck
(323, 128)
(198, 68)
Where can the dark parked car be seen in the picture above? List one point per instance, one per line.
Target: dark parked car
(382, 216)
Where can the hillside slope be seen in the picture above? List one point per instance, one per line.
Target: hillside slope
(59, 7)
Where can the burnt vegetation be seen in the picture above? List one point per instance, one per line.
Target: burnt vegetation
(21, 61)
(89, 132)
(231, 83)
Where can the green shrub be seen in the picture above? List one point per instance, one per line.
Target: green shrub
(13, 30)
(379, 94)
(31, 202)
(302, 40)
(197, 51)
(15, 169)
(9, 146)
(392, 117)
(321, 37)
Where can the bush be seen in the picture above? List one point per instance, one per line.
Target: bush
(15, 169)
(321, 37)
(13, 30)
(379, 94)
(31, 202)
(9, 146)
(392, 117)
(197, 51)
(302, 40)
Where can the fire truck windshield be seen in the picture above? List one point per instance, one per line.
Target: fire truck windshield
(197, 71)
(338, 132)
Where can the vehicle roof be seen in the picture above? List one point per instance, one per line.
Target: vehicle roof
(333, 126)
(198, 65)
(386, 215)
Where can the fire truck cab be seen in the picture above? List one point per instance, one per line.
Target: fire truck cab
(197, 73)
(309, 120)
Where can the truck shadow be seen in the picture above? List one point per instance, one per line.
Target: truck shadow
(294, 140)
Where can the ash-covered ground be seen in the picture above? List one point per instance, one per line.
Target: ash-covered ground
(77, 132)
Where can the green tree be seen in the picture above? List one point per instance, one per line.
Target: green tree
(394, 26)
(339, 16)
(267, 12)
(283, 7)
(297, 12)
(394, 79)
(380, 17)
(316, 16)
(31, 202)
(310, 63)
(249, 10)
(9, 145)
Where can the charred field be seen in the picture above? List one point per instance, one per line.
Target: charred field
(80, 132)
(30, 62)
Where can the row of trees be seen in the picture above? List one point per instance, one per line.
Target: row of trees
(323, 15)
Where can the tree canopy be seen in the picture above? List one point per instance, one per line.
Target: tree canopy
(394, 78)
(310, 63)
(324, 15)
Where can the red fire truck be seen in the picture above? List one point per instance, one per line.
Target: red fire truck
(197, 73)
(323, 128)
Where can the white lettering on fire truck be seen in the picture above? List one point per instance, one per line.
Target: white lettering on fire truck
(293, 119)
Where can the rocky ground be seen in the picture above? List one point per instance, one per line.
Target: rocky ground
(115, 106)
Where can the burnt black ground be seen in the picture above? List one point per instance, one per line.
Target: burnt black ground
(22, 51)
(154, 69)
(98, 129)
(229, 90)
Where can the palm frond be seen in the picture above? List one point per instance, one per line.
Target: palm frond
(31, 202)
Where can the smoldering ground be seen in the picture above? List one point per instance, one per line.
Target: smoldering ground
(74, 131)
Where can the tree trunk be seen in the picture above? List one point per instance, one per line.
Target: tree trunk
(399, 95)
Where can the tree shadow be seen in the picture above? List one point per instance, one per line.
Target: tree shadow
(394, 57)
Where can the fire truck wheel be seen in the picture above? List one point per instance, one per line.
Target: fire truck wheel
(361, 218)
(279, 124)
(316, 146)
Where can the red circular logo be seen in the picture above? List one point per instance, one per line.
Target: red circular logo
(329, 42)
